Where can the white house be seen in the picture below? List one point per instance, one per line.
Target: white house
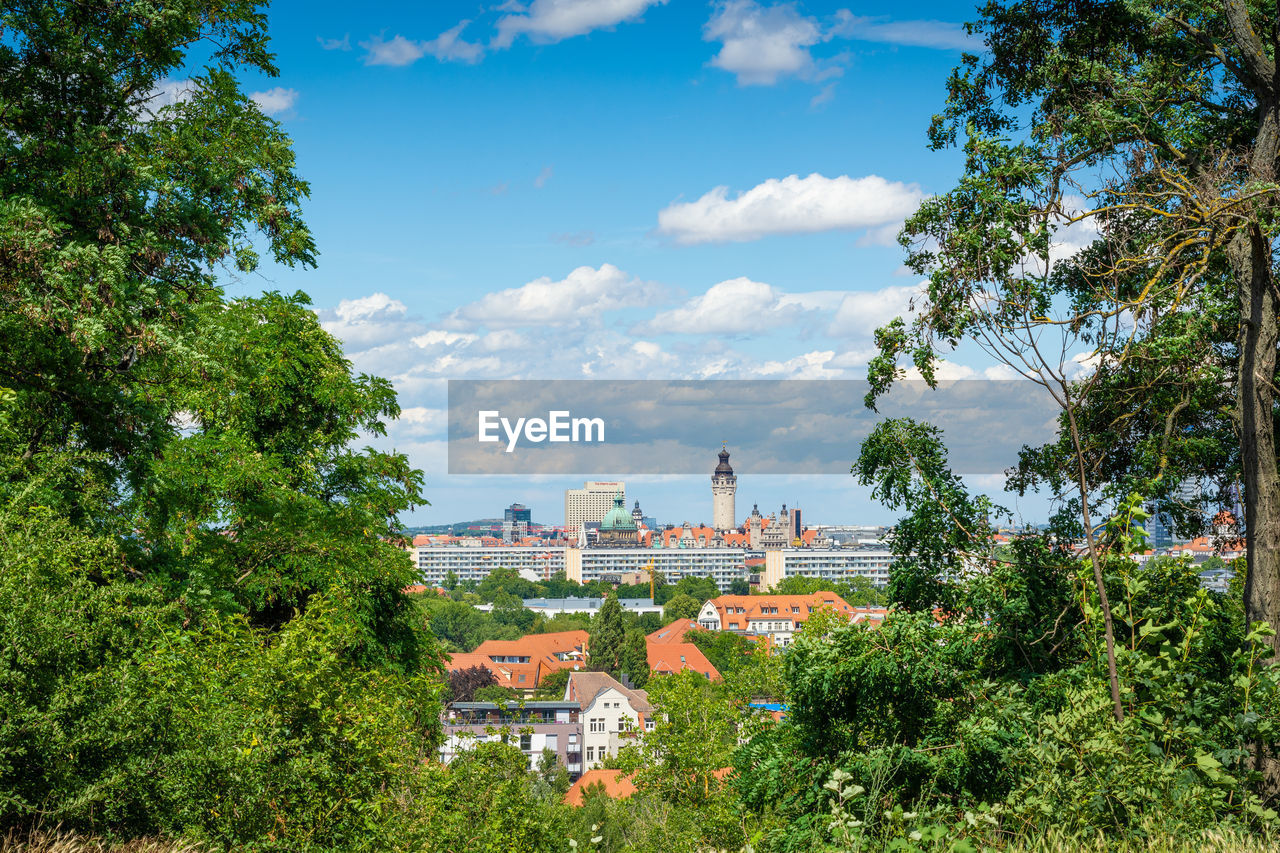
(612, 715)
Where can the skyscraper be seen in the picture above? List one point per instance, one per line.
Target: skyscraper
(723, 487)
(589, 504)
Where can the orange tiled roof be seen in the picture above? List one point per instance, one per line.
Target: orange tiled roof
(740, 609)
(543, 651)
(617, 785)
(674, 657)
(673, 633)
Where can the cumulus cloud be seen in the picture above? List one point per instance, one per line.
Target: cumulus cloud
(548, 21)
(368, 322)
(791, 205)
(275, 101)
(577, 298)
(862, 312)
(760, 44)
(736, 306)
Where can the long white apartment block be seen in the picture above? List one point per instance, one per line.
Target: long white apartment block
(474, 564)
(833, 564)
(722, 565)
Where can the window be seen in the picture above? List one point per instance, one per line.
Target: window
(597, 724)
(522, 678)
(552, 742)
(591, 753)
(526, 742)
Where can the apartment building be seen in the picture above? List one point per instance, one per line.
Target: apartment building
(613, 715)
(474, 562)
(532, 727)
(522, 664)
(591, 503)
(722, 565)
(775, 617)
(833, 564)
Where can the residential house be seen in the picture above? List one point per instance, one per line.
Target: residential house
(775, 617)
(522, 664)
(613, 715)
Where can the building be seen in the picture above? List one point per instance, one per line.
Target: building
(550, 607)
(517, 513)
(522, 664)
(590, 504)
(613, 783)
(613, 715)
(473, 562)
(532, 727)
(831, 564)
(777, 617)
(722, 565)
(618, 529)
(668, 658)
(724, 485)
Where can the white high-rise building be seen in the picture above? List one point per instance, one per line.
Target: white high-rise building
(723, 487)
(589, 504)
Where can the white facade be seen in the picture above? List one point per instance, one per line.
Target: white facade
(610, 721)
(474, 563)
(722, 565)
(833, 564)
(589, 504)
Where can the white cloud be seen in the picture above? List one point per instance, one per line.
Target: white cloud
(343, 43)
(275, 101)
(165, 93)
(861, 313)
(828, 92)
(760, 44)
(438, 338)
(577, 298)
(941, 35)
(735, 306)
(554, 20)
(789, 206)
(449, 46)
(398, 51)
(543, 177)
(369, 322)
(810, 365)
(420, 420)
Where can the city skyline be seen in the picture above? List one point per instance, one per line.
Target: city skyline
(661, 190)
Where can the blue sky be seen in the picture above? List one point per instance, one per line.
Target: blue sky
(611, 189)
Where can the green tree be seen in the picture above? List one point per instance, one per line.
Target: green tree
(607, 638)
(635, 658)
(681, 607)
(739, 586)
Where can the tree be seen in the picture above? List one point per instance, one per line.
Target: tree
(553, 684)
(739, 586)
(635, 658)
(1178, 106)
(681, 607)
(607, 637)
(463, 683)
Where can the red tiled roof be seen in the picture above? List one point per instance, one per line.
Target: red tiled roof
(673, 633)
(674, 657)
(616, 786)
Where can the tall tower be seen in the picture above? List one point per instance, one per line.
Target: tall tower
(723, 486)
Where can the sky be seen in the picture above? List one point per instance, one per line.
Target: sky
(612, 189)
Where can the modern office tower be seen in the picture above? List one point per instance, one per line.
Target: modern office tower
(591, 503)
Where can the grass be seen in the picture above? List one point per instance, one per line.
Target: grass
(58, 841)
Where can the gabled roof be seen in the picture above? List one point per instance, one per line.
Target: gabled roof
(796, 608)
(542, 651)
(674, 657)
(584, 687)
(616, 784)
(673, 633)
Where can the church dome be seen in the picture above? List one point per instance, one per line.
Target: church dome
(618, 518)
